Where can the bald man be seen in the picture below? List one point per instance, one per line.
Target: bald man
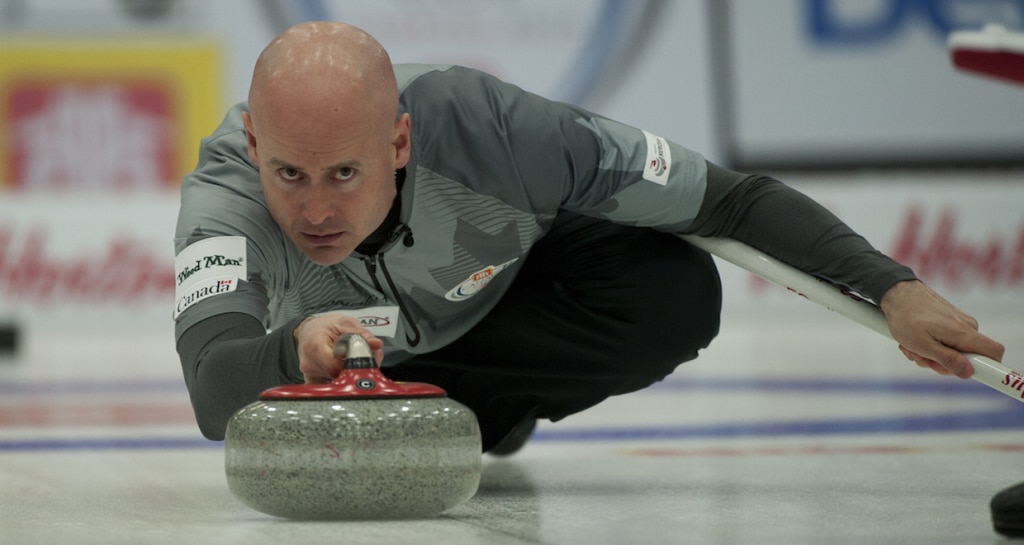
(515, 251)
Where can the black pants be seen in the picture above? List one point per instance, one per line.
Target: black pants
(598, 310)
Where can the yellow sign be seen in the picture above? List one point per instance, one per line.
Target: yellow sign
(104, 113)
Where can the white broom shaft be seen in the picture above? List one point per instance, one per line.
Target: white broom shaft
(986, 370)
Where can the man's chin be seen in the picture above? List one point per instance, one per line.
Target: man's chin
(326, 256)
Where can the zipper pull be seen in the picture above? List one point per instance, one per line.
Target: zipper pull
(405, 233)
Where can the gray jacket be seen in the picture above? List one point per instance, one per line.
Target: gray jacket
(491, 165)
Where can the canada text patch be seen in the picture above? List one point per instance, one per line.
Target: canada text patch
(212, 266)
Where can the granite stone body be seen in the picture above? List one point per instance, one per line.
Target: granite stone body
(345, 459)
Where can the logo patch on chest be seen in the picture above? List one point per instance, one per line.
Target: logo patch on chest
(477, 281)
(382, 321)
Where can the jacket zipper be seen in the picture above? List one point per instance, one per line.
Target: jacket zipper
(371, 268)
(372, 262)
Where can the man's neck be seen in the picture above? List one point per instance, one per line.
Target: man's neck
(373, 243)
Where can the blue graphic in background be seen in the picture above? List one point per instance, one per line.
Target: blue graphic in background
(827, 24)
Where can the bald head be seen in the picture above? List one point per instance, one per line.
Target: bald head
(324, 133)
(323, 70)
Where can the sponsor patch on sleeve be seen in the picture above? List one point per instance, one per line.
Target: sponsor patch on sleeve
(658, 165)
(212, 266)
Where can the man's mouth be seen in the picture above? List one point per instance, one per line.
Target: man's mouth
(321, 239)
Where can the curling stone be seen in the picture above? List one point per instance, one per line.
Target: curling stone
(360, 447)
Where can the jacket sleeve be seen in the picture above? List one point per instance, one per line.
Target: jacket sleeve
(570, 159)
(222, 197)
(786, 224)
(227, 360)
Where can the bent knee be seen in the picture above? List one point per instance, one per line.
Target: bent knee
(681, 313)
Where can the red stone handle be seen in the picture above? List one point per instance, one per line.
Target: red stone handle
(360, 378)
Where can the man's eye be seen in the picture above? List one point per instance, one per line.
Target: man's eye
(344, 173)
(289, 174)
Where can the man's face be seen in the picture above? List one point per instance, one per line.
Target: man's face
(328, 185)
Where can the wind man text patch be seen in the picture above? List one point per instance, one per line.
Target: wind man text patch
(212, 266)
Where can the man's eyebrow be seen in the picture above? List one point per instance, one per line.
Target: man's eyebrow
(275, 162)
(341, 165)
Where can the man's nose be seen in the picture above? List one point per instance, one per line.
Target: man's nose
(319, 206)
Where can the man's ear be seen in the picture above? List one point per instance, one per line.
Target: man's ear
(250, 138)
(401, 140)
